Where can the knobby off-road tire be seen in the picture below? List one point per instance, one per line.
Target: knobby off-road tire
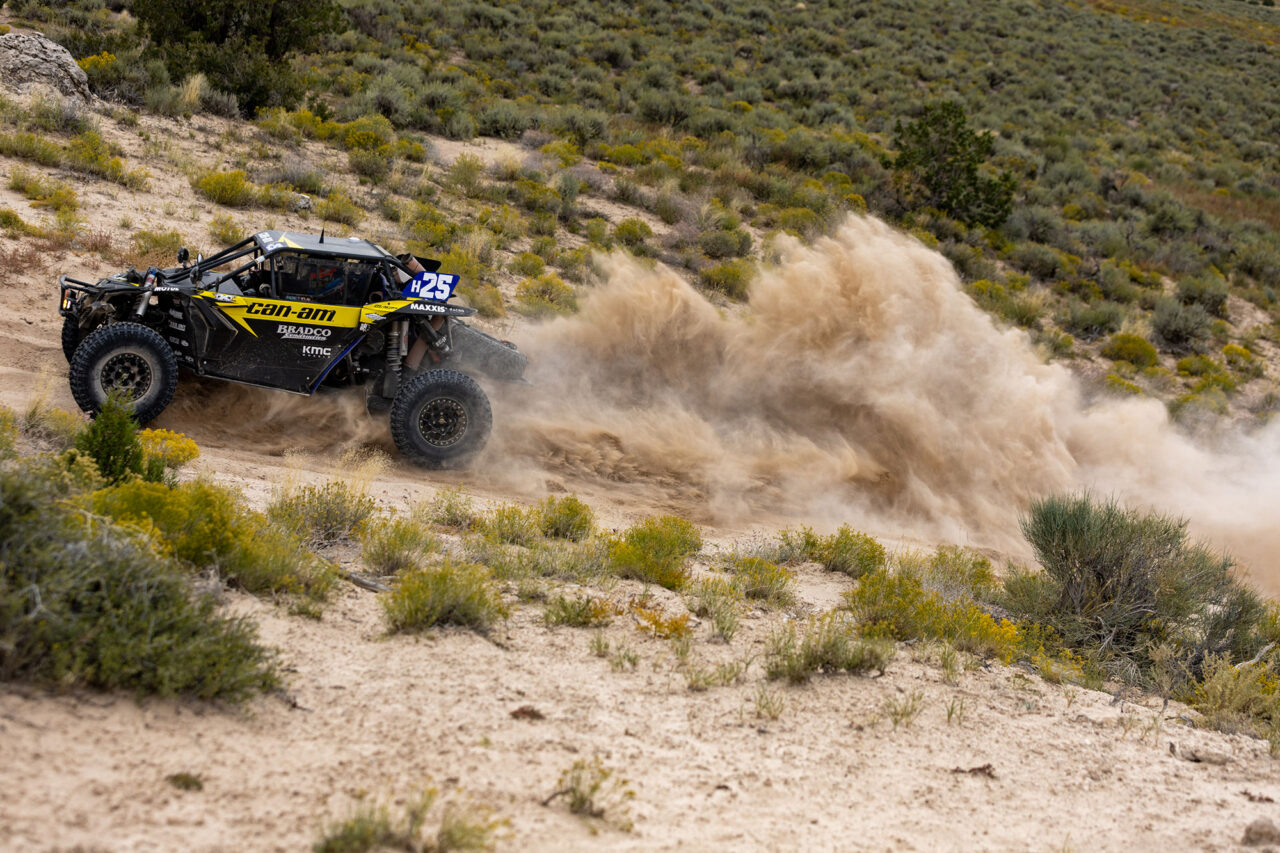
(71, 337)
(128, 358)
(440, 419)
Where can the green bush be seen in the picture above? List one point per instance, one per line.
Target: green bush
(1197, 365)
(956, 572)
(1093, 321)
(939, 161)
(581, 612)
(527, 264)
(44, 192)
(536, 197)
(208, 527)
(761, 580)
(111, 441)
(828, 644)
(1041, 262)
(449, 594)
(393, 545)
(12, 225)
(502, 119)
(86, 602)
(232, 189)
(1180, 327)
(655, 551)
(725, 243)
(485, 298)
(8, 431)
(225, 41)
(1118, 582)
(632, 232)
(368, 133)
(546, 295)
(849, 551)
(897, 605)
(1209, 292)
(795, 545)
(717, 600)
(1134, 349)
(322, 514)
(28, 146)
(225, 230)
(510, 523)
(450, 507)
(464, 174)
(158, 244)
(374, 165)
(339, 207)
(91, 154)
(732, 278)
(55, 427)
(566, 518)
(1238, 699)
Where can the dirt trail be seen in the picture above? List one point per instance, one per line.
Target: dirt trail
(387, 717)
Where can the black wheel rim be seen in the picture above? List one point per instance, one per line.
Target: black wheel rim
(128, 374)
(442, 422)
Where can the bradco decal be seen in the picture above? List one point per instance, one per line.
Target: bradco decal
(304, 333)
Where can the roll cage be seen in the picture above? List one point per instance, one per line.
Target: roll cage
(261, 260)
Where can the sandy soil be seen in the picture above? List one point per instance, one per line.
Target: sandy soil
(1069, 768)
(368, 715)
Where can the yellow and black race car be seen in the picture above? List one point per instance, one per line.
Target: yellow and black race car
(294, 312)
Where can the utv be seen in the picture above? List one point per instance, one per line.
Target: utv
(296, 313)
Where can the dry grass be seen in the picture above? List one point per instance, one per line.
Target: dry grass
(449, 594)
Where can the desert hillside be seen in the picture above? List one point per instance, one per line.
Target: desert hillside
(897, 467)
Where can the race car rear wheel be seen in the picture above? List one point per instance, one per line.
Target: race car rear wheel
(440, 418)
(130, 360)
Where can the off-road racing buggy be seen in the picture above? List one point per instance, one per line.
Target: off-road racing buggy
(296, 313)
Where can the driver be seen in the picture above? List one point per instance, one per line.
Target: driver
(325, 281)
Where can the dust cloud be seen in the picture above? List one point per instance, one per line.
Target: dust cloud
(859, 384)
(222, 414)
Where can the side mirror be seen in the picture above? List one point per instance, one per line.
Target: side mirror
(183, 255)
(197, 273)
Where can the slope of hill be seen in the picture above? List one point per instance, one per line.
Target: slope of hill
(755, 355)
(1140, 139)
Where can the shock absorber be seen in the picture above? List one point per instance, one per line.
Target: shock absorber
(395, 348)
(395, 358)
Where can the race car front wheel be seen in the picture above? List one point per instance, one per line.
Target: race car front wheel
(130, 360)
(440, 418)
(70, 336)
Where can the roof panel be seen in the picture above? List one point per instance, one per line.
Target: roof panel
(343, 247)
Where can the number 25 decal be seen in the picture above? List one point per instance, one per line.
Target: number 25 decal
(430, 285)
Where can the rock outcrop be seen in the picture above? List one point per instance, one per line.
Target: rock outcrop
(29, 61)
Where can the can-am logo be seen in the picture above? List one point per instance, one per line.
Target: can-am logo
(304, 333)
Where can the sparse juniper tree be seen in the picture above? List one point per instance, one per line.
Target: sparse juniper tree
(939, 165)
(240, 45)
